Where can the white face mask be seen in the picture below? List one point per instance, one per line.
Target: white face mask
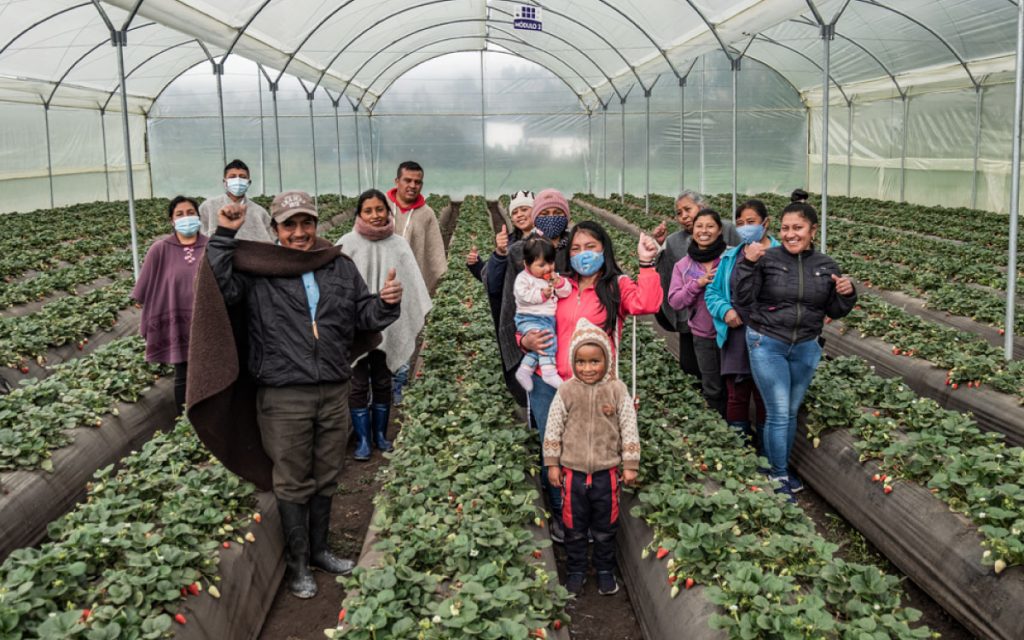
(237, 186)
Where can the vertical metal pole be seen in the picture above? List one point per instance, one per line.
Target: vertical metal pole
(647, 155)
(849, 148)
(337, 133)
(120, 39)
(604, 149)
(148, 156)
(682, 134)
(483, 125)
(590, 152)
(106, 162)
(359, 151)
(735, 68)
(1018, 107)
(312, 138)
(827, 33)
(703, 69)
(373, 159)
(49, 157)
(977, 145)
(622, 169)
(902, 154)
(218, 70)
(263, 153)
(277, 137)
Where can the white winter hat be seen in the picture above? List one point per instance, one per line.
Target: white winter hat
(521, 199)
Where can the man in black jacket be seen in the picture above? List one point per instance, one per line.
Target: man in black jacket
(300, 331)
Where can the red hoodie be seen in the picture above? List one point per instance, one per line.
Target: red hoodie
(393, 197)
(637, 298)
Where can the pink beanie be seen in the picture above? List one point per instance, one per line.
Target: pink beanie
(549, 198)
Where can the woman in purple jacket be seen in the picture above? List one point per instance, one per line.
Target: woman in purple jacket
(165, 291)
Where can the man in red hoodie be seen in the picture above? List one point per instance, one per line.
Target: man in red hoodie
(416, 222)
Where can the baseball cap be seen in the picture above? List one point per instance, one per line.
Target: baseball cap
(287, 204)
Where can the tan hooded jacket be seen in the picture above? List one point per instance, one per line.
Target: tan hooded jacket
(592, 427)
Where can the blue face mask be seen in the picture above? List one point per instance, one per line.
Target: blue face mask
(237, 186)
(750, 233)
(551, 226)
(587, 263)
(187, 226)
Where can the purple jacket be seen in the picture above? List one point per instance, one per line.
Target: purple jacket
(686, 293)
(165, 291)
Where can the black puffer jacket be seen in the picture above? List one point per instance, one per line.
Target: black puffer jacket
(788, 296)
(282, 348)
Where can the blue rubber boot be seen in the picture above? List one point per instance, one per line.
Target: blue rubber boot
(380, 413)
(361, 426)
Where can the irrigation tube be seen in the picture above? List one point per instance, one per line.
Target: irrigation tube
(1018, 107)
(119, 41)
(277, 137)
(827, 33)
(49, 161)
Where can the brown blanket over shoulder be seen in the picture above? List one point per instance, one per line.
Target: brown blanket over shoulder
(221, 395)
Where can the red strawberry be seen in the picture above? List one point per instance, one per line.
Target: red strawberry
(703, 467)
(662, 552)
(883, 477)
(1002, 332)
(179, 618)
(896, 351)
(341, 615)
(194, 588)
(537, 554)
(887, 490)
(184, 592)
(23, 369)
(85, 614)
(557, 624)
(955, 386)
(876, 478)
(257, 518)
(226, 544)
(877, 414)
(672, 579)
(689, 583)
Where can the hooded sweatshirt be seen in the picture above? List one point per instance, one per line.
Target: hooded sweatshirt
(592, 427)
(419, 226)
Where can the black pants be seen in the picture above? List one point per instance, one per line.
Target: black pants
(180, 376)
(371, 373)
(687, 356)
(590, 502)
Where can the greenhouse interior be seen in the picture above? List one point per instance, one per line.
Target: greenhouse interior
(153, 487)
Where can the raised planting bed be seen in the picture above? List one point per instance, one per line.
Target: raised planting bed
(455, 554)
(126, 562)
(943, 500)
(993, 411)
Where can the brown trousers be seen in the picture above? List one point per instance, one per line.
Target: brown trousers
(304, 429)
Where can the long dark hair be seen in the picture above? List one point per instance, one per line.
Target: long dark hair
(366, 195)
(607, 285)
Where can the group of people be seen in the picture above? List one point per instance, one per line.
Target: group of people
(283, 343)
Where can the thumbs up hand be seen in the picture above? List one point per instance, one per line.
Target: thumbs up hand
(843, 285)
(391, 292)
(501, 242)
(473, 256)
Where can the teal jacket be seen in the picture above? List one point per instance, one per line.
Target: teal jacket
(717, 295)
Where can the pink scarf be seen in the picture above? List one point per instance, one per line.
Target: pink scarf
(373, 233)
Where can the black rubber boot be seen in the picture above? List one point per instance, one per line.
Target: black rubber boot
(295, 522)
(361, 426)
(379, 416)
(320, 556)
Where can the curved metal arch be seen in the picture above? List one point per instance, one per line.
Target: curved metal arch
(768, 65)
(963, 63)
(864, 49)
(563, 62)
(40, 22)
(175, 78)
(241, 30)
(600, 37)
(504, 53)
(348, 44)
(583, 53)
(763, 38)
(85, 55)
(711, 28)
(127, 75)
(592, 88)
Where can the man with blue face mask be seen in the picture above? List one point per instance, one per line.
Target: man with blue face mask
(236, 184)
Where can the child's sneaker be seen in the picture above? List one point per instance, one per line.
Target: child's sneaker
(795, 485)
(549, 374)
(606, 584)
(784, 488)
(524, 376)
(574, 583)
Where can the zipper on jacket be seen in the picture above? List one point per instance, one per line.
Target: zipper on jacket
(590, 431)
(799, 294)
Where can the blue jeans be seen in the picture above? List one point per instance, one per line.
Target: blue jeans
(524, 323)
(540, 403)
(782, 371)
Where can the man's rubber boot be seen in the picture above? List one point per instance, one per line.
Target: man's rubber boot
(320, 556)
(295, 522)
(361, 426)
(379, 414)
